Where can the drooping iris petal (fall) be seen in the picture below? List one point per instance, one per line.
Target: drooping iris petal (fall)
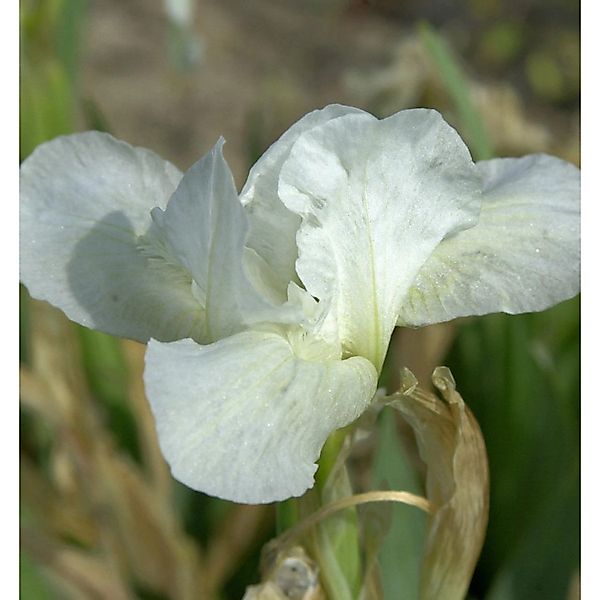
(245, 418)
(523, 255)
(85, 203)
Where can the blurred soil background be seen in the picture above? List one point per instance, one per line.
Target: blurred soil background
(261, 65)
(101, 517)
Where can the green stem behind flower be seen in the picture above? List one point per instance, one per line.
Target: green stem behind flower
(287, 515)
(329, 457)
(336, 541)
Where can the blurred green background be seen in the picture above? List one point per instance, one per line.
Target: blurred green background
(101, 517)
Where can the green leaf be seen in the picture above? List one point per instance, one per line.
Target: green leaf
(546, 557)
(32, 583)
(107, 377)
(287, 514)
(337, 540)
(46, 104)
(94, 117)
(51, 34)
(24, 326)
(457, 87)
(401, 551)
(68, 35)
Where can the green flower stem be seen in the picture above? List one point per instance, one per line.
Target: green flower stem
(287, 515)
(456, 85)
(329, 455)
(336, 541)
(335, 578)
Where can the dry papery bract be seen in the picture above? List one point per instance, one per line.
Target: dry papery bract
(290, 575)
(452, 447)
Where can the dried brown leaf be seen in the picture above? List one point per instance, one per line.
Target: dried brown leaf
(155, 548)
(232, 540)
(158, 470)
(63, 516)
(78, 574)
(574, 591)
(88, 490)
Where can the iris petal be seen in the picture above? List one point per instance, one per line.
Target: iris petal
(376, 198)
(245, 418)
(273, 227)
(85, 209)
(523, 255)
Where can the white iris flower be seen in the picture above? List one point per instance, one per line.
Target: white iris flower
(268, 314)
